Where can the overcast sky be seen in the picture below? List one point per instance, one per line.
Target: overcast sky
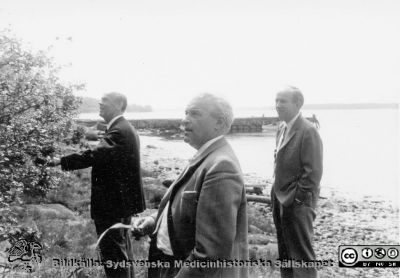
(162, 52)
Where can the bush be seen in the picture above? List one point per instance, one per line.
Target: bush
(36, 111)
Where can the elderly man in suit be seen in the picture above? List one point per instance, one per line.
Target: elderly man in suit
(117, 192)
(295, 191)
(202, 217)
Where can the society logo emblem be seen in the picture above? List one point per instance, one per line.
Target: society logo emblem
(367, 253)
(392, 253)
(349, 256)
(380, 253)
(24, 255)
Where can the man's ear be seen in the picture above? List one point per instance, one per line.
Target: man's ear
(220, 125)
(118, 104)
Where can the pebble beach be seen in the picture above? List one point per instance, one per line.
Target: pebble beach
(341, 220)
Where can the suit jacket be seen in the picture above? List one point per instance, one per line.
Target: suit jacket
(117, 190)
(209, 212)
(298, 164)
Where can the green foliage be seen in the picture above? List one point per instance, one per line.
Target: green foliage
(36, 111)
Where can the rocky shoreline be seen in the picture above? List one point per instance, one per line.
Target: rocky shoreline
(64, 227)
(339, 221)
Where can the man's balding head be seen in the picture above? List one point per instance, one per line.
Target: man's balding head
(112, 104)
(118, 99)
(288, 102)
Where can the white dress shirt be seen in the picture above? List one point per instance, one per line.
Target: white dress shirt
(287, 127)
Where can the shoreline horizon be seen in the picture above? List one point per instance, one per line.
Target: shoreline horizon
(157, 159)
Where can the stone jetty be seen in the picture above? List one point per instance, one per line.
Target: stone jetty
(254, 124)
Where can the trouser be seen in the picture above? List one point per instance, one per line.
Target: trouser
(294, 228)
(116, 246)
(168, 268)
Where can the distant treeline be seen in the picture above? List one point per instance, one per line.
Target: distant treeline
(324, 106)
(91, 105)
(352, 106)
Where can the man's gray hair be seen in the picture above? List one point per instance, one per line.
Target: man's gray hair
(297, 95)
(219, 109)
(118, 98)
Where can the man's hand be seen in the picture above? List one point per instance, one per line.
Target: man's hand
(142, 226)
(54, 162)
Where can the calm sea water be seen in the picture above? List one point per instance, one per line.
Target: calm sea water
(360, 149)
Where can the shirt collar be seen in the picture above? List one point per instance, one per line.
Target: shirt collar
(113, 120)
(206, 145)
(290, 124)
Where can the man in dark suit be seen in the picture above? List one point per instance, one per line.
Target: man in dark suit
(117, 192)
(203, 215)
(295, 191)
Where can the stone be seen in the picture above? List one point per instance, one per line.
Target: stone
(50, 211)
(267, 252)
(254, 230)
(260, 239)
(327, 204)
(154, 193)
